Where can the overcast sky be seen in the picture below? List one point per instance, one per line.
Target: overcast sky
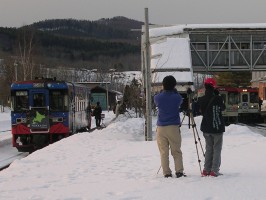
(15, 13)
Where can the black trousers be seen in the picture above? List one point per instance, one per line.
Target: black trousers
(98, 122)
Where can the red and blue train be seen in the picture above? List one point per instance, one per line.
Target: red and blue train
(46, 110)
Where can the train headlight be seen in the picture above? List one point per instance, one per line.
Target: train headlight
(57, 119)
(21, 120)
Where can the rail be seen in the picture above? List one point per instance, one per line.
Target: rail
(260, 128)
(7, 161)
(4, 131)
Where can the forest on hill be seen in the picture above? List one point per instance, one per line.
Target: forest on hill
(76, 43)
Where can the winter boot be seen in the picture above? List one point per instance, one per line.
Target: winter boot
(205, 173)
(167, 175)
(180, 174)
(215, 174)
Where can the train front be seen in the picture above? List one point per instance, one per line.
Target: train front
(39, 113)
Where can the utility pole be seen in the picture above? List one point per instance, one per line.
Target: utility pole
(147, 70)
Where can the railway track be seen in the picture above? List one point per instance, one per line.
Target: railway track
(9, 154)
(4, 167)
(4, 163)
(260, 128)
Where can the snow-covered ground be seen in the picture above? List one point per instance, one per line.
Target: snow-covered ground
(116, 163)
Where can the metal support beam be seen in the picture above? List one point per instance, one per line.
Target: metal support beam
(218, 52)
(240, 52)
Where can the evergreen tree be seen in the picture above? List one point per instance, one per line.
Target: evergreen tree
(132, 96)
(234, 79)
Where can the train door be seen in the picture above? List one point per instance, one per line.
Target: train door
(39, 114)
(244, 102)
(232, 103)
(254, 102)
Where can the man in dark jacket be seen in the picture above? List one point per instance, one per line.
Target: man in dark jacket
(168, 130)
(97, 112)
(212, 125)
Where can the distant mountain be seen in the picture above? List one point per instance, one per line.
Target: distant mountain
(117, 28)
(74, 42)
(120, 22)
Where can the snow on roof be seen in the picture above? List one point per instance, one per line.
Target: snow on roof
(172, 53)
(177, 29)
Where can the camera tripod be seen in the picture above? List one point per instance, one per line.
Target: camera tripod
(191, 123)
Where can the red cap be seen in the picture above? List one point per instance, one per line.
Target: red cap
(210, 81)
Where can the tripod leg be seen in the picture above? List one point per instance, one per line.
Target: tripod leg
(194, 127)
(191, 119)
(197, 150)
(182, 120)
(159, 169)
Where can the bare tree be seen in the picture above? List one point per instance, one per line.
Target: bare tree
(8, 70)
(7, 76)
(25, 48)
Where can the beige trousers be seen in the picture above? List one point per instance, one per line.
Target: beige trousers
(168, 137)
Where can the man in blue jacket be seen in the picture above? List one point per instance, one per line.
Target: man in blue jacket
(168, 126)
(212, 125)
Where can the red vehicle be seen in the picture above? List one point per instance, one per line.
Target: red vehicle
(242, 104)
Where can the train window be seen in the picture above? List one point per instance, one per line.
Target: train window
(254, 98)
(38, 100)
(232, 98)
(244, 98)
(20, 101)
(58, 100)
